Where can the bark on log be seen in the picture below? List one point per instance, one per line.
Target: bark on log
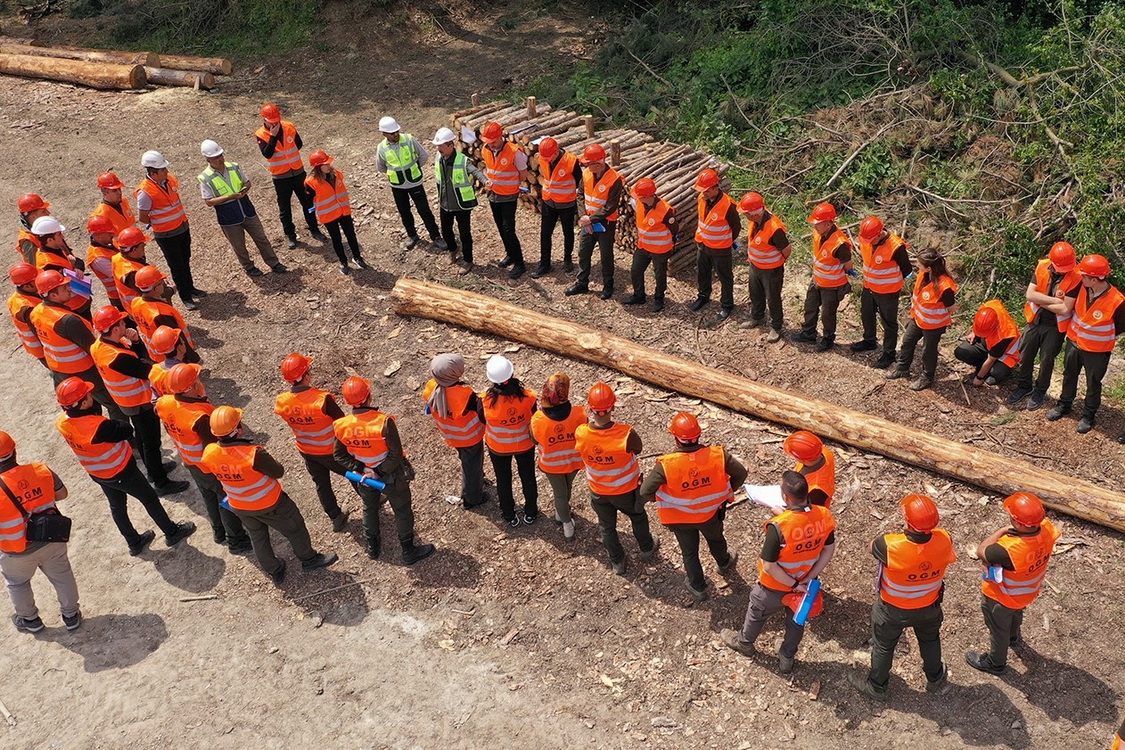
(87, 55)
(189, 78)
(216, 65)
(1001, 474)
(95, 75)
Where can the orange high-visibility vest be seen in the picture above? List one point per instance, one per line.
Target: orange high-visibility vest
(1006, 329)
(824, 478)
(34, 488)
(100, 260)
(558, 184)
(121, 216)
(595, 193)
(913, 575)
(695, 485)
(179, 418)
(1092, 328)
(610, 469)
(828, 271)
(126, 391)
(62, 355)
(101, 460)
(286, 158)
(331, 199)
(1070, 280)
(501, 169)
(158, 376)
(362, 435)
(653, 234)
(507, 426)
(555, 440)
(1030, 555)
(460, 430)
(145, 311)
(18, 303)
(233, 466)
(881, 274)
(167, 212)
(48, 260)
(122, 267)
(926, 307)
(759, 251)
(713, 230)
(303, 411)
(21, 238)
(803, 536)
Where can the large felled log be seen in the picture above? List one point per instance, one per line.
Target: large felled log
(95, 75)
(218, 65)
(88, 55)
(189, 78)
(998, 473)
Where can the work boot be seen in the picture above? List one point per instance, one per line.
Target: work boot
(725, 569)
(785, 664)
(568, 265)
(411, 241)
(698, 305)
(634, 299)
(983, 662)
(752, 323)
(182, 532)
(240, 545)
(1085, 425)
(340, 522)
(507, 261)
(774, 335)
(412, 553)
(607, 292)
(647, 555)
(923, 382)
(805, 338)
(1019, 394)
(541, 270)
(619, 566)
(886, 359)
(253, 272)
(320, 560)
(898, 373)
(219, 534)
(731, 639)
(517, 270)
(316, 234)
(863, 346)
(279, 268)
(941, 684)
(568, 530)
(700, 595)
(723, 314)
(373, 547)
(864, 686)
(1035, 403)
(439, 243)
(657, 305)
(278, 573)
(143, 541)
(291, 242)
(576, 288)
(171, 487)
(1061, 410)
(825, 344)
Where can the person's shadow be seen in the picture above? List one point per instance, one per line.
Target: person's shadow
(188, 568)
(1063, 691)
(447, 568)
(116, 641)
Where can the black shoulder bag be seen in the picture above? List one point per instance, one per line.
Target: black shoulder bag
(45, 526)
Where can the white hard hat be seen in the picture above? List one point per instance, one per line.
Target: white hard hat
(46, 225)
(499, 369)
(153, 159)
(210, 149)
(443, 136)
(388, 124)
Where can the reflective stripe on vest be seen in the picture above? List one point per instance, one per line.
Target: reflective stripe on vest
(1092, 328)
(303, 411)
(178, 417)
(362, 435)
(100, 260)
(459, 178)
(695, 486)
(926, 306)
(146, 311)
(595, 194)
(460, 430)
(401, 159)
(507, 426)
(881, 273)
(219, 185)
(233, 466)
(828, 271)
(126, 391)
(803, 534)
(121, 215)
(1067, 283)
(330, 200)
(557, 182)
(824, 478)
(62, 355)
(286, 158)
(1030, 556)
(501, 170)
(759, 251)
(102, 460)
(167, 212)
(610, 468)
(913, 575)
(713, 230)
(122, 267)
(555, 441)
(653, 234)
(17, 303)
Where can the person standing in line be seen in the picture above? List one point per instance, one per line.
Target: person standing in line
(54, 254)
(99, 256)
(454, 175)
(333, 207)
(154, 309)
(656, 236)
(505, 165)
(159, 207)
(886, 264)
(715, 237)
(560, 174)
(170, 345)
(456, 408)
(114, 205)
(402, 157)
(767, 249)
(506, 410)
(31, 206)
(130, 258)
(602, 191)
(932, 305)
(553, 427)
(20, 305)
(832, 263)
(281, 145)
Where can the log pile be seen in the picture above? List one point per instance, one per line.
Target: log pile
(632, 153)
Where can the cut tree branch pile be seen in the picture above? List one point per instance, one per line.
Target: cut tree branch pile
(1001, 474)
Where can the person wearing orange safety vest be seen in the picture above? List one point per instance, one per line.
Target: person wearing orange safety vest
(656, 236)
(326, 189)
(602, 192)
(992, 347)
(20, 305)
(159, 206)
(130, 258)
(767, 249)
(816, 462)
(310, 413)
(911, 585)
(832, 263)
(172, 348)
(281, 145)
(53, 254)
(103, 448)
(691, 488)
(609, 452)
(401, 157)
(505, 166)
(455, 408)
(800, 542)
(31, 207)
(716, 236)
(113, 206)
(154, 309)
(1015, 559)
(368, 443)
(506, 409)
(553, 428)
(26, 490)
(250, 478)
(560, 174)
(99, 256)
(1097, 317)
(932, 305)
(886, 264)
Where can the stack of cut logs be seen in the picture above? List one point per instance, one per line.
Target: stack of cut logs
(632, 153)
(108, 69)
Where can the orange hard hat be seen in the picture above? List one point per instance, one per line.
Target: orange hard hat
(491, 132)
(548, 148)
(601, 397)
(48, 280)
(7, 445)
(319, 158)
(98, 223)
(706, 180)
(147, 277)
(1025, 508)
(803, 446)
(985, 322)
(645, 188)
(751, 202)
(71, 391)
(31, 202)
(225, 420)
(129, 237)
(270, 112)
(1094, 265)
(182, 377)
(110, 181)
(870, 228)
(823, 212)
(356, 391)
(593, 153)
(107, 317)
(22, 273)
(164, 339)
(294, 367)
(685, 427)
(921, 512)
(793, 602)
(1062, 257)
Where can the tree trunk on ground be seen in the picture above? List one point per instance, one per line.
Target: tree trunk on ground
(217, 65)
(95, 75)
(86, 55)
(188, 78)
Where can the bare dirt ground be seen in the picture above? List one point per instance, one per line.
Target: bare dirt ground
(502, 639)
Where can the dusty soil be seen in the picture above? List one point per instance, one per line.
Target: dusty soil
(502, 639)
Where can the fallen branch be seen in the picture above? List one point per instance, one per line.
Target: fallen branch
(857, 152)
(330, 590)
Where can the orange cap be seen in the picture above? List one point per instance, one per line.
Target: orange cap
(706, 180)
(294, 367)
(356, 391)
(685, 427)
(225, 421)
(751, 202)
(71, 391)
(823, 212)
(601, 397)
(921, 512)
(803, 446)
(182, 377)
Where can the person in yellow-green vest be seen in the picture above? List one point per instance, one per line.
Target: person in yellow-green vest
(457, 197)
(402, 157)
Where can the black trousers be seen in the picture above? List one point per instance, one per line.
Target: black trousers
(286, 188)
(464, 228)
(885, 308)
(1045, 342)
(825, 304)
(765, 290)
(641, 261)
(397, 494)
(604, 241)
(117, 489)
(504, 214)
(403, 196)
(222, 520)
(285, 518)
(887, 624)
(472, 473)
(551, 216)
(930, 338)
(177, 254)
(606, 507)
(1095, 364)
(721, 263)
(975, 355)
(347, 226)
(321, 469)
(146, 426)
(1004, 625)
(687, 535)
(502, 467)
